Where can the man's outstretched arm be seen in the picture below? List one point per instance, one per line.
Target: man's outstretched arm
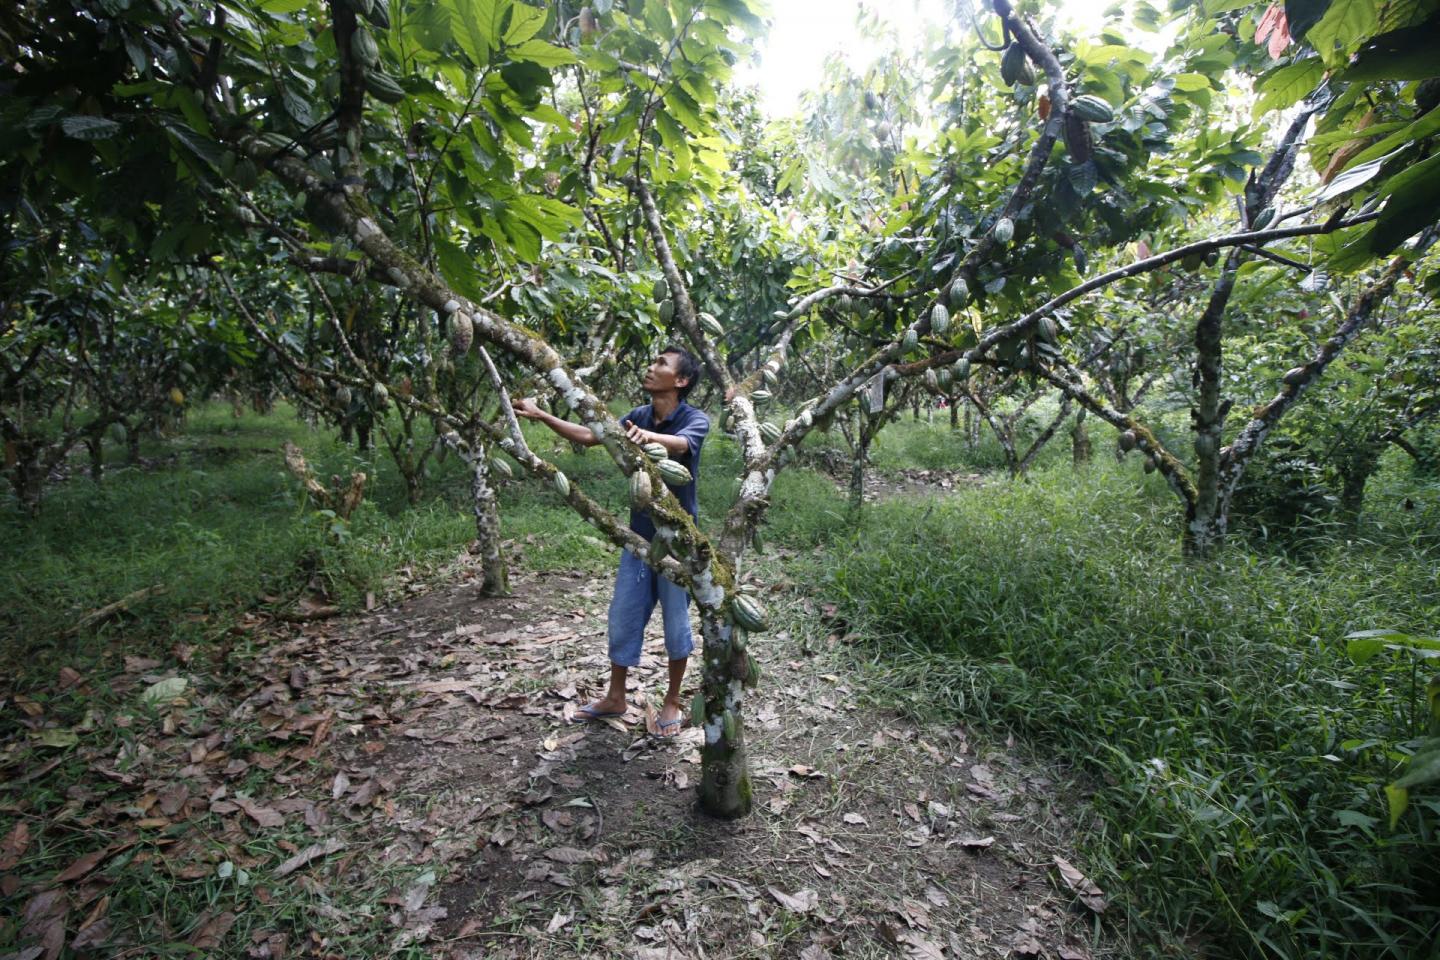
(574, 432)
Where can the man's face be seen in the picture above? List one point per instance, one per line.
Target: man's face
(663, 374)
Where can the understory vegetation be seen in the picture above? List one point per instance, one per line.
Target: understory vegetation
(1234, 756)
(1237, 755)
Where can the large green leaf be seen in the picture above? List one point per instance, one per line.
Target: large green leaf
(1288, 84)
(1412, 207)
(1301, 15)
(89, 128)
(545, 54)
(458, 269)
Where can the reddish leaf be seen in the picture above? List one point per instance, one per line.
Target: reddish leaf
(264, 816)
(83, 865)
(211, 930)
(13, 847)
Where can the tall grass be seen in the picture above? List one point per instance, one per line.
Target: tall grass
(1239, 757)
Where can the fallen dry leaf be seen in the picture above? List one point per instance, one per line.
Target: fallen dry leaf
(310, 854)
(855, 819)
(211, 930)
(82, 865)
(264, 816)
(1084, 888)
(13, 847)
(801, 901)
(567, 855)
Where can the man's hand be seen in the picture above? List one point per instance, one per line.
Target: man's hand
(528, 409)
(638, 435)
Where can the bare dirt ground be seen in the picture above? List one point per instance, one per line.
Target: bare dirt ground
(871, 837)
(409, 777)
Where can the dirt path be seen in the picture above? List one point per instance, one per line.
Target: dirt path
(406, 782)
(551, 839)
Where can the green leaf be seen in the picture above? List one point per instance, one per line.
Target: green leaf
(458, 269)
(1287, 85)
(475, 25)
(545, 54)
(1351, 179)
(1345, 24)
(1410, 208)
(1301, 15)
(1407, 54)
(1424, 769)
(525, 22)
(1421, 128)
(1399, 799)
(1354, 818)
(89, 128)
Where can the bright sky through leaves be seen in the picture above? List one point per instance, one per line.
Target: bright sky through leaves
(804, 32)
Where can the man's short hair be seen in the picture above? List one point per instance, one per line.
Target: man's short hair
(689, 368)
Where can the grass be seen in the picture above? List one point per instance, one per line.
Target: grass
(1239, 757)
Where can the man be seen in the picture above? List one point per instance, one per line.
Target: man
(667, 420)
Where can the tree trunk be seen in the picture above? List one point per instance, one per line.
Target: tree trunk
(954, 414)
(1080, 440)
(496, 581)
(96, 447)
(132, 444)
(725, 788)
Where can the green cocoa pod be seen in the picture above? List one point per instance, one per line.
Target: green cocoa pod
(656, 451)
(379, 14)
(710, 325)
(364, 48)
(673, 473)
(1149, 464)
(769, 377)
(1263, 218)
(562, 484)
(342, 396)
(749, 614)
(661, 291)
(843, 303)
(959, 293)
(761, 396)
(379, 394)
(932, 380)
(501, 468)
(1092, 109)
(910, 340)
(667, 310)
(730, 726)
(640, 489)
(769, 431)
(1015, 67)
(939, 319)
(383, 87)
(697, 710)
(1128, 439)
(1004, 230)
(1049, 330)
(462, 333)
(1295, 376)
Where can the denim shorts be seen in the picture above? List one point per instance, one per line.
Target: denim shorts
(637, 588)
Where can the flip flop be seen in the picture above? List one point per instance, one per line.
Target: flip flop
(662, 725)
(588, 714)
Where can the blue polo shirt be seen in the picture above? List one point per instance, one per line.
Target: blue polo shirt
(685, 422)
